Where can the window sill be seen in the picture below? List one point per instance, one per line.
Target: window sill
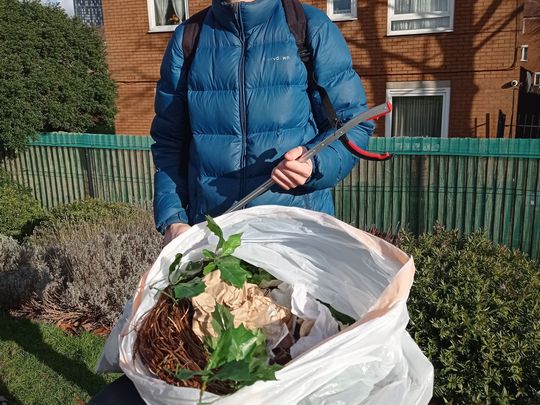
(418, 32)
(342, 18)
(164, 28)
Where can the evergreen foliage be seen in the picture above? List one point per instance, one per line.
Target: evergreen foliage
(20, 212)
(53, 74)
(474, 310)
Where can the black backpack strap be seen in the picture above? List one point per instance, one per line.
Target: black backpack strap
(296, 20)
(190, 38)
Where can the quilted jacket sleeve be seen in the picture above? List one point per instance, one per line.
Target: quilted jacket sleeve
(334, 72)
(171, 133)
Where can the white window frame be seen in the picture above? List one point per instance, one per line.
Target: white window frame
(524, 53)
(152, 18)
(417, 16)
(342, 17)
(412, 89)
(536, 79)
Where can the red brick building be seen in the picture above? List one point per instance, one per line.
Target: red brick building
(447, 65)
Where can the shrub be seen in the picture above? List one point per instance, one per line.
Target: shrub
(474, 311)
(20, 212)
(20, 274)
(94, 265)
(91, 210)
(54, 74)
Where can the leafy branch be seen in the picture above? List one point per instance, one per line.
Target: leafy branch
(237, 354)
(189, 282)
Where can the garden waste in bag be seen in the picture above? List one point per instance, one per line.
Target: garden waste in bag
(373, 361)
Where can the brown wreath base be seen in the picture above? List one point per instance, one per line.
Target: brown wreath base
(166, 342)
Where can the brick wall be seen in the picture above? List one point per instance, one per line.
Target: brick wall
(478, 57)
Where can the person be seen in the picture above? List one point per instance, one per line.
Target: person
(243, 114)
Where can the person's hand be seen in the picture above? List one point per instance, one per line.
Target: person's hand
(291, 173)
(173, 231)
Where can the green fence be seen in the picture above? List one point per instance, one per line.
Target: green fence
(490, 184)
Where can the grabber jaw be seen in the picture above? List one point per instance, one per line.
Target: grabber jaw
(364, 154)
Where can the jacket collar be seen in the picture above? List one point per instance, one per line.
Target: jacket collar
(248, 14)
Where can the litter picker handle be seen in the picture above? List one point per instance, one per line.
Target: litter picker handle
(251, 196)
(369, 115)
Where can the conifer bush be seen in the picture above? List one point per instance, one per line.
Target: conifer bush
(53, 74)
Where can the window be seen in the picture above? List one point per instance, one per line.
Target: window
(420, 16)
(419, 109)
(341, 10)
(524, 53)
(165, 15)
(536, 79)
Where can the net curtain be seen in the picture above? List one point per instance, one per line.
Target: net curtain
(161, 11)
(179, 9)
(419, 7)
(417, 116)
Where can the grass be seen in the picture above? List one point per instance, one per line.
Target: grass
(40, 364)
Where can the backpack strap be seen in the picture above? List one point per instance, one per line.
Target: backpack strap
(296, 20)
(190, 38)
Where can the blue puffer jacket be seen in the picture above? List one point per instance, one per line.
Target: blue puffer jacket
(245, 105)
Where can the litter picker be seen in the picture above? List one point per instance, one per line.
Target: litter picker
(341, 134)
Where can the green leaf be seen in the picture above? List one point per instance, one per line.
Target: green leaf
(235, 344)
(210, 342)
(208, 254)
(246, 372)
(189, 289)
(339, 316)
(231, 271)
(175, 262)
(260, 276)
(185, 374)
(234, 371)
(230, 245)
(222, 319)
(192, 269)
(220, 353)
(214, 227)
(244, 342)
(261, 370)
(238, 354)
(209, 268)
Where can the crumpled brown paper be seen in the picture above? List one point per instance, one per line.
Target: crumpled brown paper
(248, 305)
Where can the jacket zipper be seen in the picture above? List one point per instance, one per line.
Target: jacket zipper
(241, 78)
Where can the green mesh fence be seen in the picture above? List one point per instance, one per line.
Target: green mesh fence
(468, 184)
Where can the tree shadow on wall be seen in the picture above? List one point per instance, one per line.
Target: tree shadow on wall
(459, 51)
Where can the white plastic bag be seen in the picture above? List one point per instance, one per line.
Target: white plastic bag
(374, 361)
